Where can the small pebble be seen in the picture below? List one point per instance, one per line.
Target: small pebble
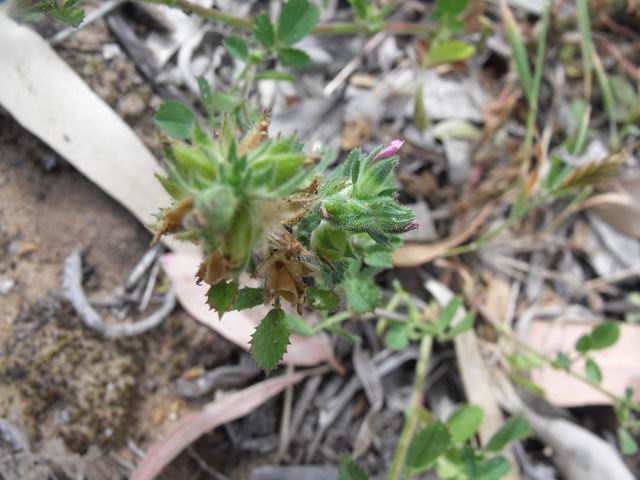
(6, 285)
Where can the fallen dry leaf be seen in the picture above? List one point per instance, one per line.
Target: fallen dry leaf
(620, 208)
(237, 327)
(620, 364)
(415, 254)
(214, 414)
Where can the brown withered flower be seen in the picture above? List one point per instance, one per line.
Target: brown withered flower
(214, 268)
(284, 274)
(173, 217)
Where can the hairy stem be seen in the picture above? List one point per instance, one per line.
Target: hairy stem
(411, 420)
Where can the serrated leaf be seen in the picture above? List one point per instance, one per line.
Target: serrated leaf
(592, 371)
(275, 75)
(297, 19)
(362, 294)
(270, 340)
(350, 471)
(427, 445)
(516, 428)
(249, 297)
(221, 296)
(604, 335)
(450, 51)
(293, 57)
(397, 337)
(264, 31)
(237, 47)
(175, 119)
(628, 445)
(464, 423)
(321, 299)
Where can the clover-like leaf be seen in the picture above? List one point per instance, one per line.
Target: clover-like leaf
(297, 19)
(464, 422)
(516, 428)
(237, 47)
(264, 31)
(270, 340)
(427, 445)
(293, 57)
(175, 119)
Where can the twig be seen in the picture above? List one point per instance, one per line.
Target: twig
(285, 425)
(142, 266)
(74, 292)
(411, 421)
(355, 62)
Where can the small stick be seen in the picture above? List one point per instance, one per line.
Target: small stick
(74, 292)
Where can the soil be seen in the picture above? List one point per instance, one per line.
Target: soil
(59, 380)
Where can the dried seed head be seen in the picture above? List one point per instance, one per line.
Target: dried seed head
(173, 217)
(255, 137)
(214, 268)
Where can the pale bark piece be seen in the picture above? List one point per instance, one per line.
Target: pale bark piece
(214, 414)
(55, 104)
(238, 327)
(620, 364)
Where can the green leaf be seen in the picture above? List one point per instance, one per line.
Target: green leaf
(298, 326)
(249, 297)
(526, 361)
(583, 344)
(221, 296)
(397, 337)
(275, 75)
(593, 372)
(464, 423)
(516, 428)
(360, 7)
(562, 362)
(493, 469)
(452, 7)
(321, 299)
(378, 257)
(466, 324)
(270, 340)
(445, 317)
(604, 335)
(206, 95)
(263, 30)
(175, 119)
(427, 445)
(450, 51)
(350, 471)
(297, 19)
(293, 57)
(362, 294)
(237, 47)
(628, 444)
(528, 384)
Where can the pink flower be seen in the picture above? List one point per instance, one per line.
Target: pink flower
(390, 150)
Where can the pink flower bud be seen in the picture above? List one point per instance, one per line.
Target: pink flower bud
(390, 150)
